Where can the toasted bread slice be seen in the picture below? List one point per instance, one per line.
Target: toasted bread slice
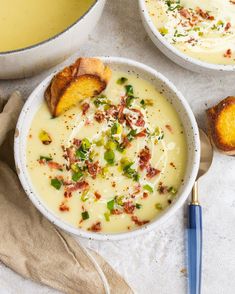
(221, 121)
(85, 78)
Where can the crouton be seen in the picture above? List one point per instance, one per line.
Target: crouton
(221, 122)
(86, 78)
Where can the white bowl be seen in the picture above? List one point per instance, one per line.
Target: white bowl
(171, 93)
(173, 53)
(31, 60)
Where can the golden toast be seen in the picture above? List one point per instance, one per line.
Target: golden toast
(221, 121)
(87, 77)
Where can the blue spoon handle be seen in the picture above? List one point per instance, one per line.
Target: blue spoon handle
(194, 248)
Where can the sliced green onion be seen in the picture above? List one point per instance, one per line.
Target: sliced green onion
(77, 176)
(129, 90)
(148, 188)
(56, 183)
(109, 156)
(110, 204)
(158, 206)
(131, 135)
(138, 205)
(122, 81)
(85, 215)
(46, 158)
(107, 216)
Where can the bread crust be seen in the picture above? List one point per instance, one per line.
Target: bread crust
(85, 78)
(221, 123)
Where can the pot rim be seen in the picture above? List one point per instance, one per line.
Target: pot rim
(53, 37)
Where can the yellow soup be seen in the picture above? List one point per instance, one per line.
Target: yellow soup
(24, 23)
(113, 167)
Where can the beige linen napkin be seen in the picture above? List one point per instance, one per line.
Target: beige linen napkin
(30, 244)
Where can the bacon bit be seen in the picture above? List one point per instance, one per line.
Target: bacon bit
(232, 1)
(144, 157)
(113, 184)
(70, 154)
(55, 165)
(145, 195)
(97, 195)
(228, 26)
(99, 116)
(95, 227)
(112, 111)
(126, 143)
(228, 53)
(87, 122)
(116, 211)
(204, 14)
(190, 40)
(169, 128)
(162, 189)
(93, 168)
(138, 222)
(85, 106)
(131, 120)
(141, 134)
(185, 13)
(129, 207)
(152, 172)
(77, 142)
(121, 116)
(67, 194)
(82, 185)
(64, 207)
(137, 189)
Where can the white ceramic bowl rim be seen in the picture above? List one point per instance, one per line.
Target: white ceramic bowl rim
(21, 166)
(206, 65)
(53, 37)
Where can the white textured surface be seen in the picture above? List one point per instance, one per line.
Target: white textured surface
(153, 263)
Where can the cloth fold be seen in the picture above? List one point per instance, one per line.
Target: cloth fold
(34, 247)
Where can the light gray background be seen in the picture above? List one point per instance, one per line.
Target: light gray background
(155, 263)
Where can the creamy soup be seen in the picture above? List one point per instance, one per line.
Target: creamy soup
(24, 23)
(203, 29)
(114, 162)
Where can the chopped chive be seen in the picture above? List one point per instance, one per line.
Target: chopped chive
(110, 204)
(56, 183)
(86, 144)
(122, 81)
(46, 158)
(148, 188)
(129, 100)
(80, 154)
(142, 103)
(116, 129)
(131, 135)
(77, 176)
(129, 90)
(138, 205)
(85, 215)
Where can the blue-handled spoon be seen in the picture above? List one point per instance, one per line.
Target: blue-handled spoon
(195, 220)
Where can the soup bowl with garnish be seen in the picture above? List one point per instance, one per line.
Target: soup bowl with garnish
(197, 35)
(107, 148)
(36, 35)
